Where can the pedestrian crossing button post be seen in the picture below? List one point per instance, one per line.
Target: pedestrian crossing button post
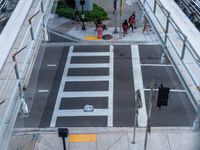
(63, 133)
(138, 99)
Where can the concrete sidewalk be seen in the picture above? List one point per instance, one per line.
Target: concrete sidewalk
(62, 26)
(69, 29)
(107, 139)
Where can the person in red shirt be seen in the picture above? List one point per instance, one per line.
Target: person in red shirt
(99, 31)
(132, 21)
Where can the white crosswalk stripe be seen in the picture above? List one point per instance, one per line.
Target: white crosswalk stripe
(85, 94)
(91, 54)
(99, 65)
(80, 112)
(87, 78)
(81, 94)
(138, 84)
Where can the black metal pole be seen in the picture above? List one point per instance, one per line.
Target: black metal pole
(83, 19)
(64, 146)
(115, 12)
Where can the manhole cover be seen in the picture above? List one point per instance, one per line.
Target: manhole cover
(107, 37)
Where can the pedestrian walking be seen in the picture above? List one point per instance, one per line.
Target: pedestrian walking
(146, 25)
(97, 21)
(125, 27)
(99, 31)
(77, 17)
(132, 21)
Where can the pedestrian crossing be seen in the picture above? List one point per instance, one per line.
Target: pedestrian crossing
(70, 81)
(107, 80)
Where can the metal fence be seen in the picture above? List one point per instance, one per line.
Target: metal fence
(3, 4)
(172, 37)
(31, 35)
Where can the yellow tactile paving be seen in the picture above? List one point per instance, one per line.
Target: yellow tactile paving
(82, 138)
(91, 38)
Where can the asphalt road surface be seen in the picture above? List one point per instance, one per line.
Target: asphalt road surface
(70, 77)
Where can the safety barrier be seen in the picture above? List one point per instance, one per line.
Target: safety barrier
(24, 50)
(172, 37)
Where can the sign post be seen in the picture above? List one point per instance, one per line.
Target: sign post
(115, 12)
(82, 2)
(121, 13)
(63, 133)
(138, 105)
(148, 127)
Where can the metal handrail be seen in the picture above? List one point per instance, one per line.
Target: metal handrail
(166, 50)
(30, 19)
(197, 11)
(179, 32)
(164, 10)
(3, 5)
(7, 81)
(156, 17)
(181, 59)
(5, 84)
(13, 101)
(10, 69)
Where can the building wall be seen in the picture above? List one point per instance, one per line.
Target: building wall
(87, 7)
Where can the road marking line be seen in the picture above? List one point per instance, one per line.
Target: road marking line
(87, 78)
(138, 84)
(85, 94)
(51, 65)
(80, 112)
(43, 91)
(171, 90)
(97, 65)
(110, 97)
(91, 54)
(157, 65)
(77, 138)
(61, 88)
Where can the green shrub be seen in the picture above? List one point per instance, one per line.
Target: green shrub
(68, 12)
(97, 11)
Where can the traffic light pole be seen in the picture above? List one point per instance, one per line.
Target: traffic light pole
(135, 123)
(148, 127)
(135, 119)
(63, 133)
(64, 145)
(138, 105)
(115, 11)
(120, 18)
(83, 17)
